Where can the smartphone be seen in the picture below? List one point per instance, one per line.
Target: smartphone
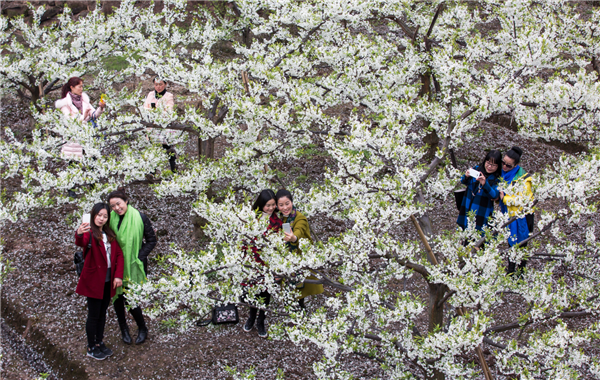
(474, 173)
(85, 218)
(287, 228)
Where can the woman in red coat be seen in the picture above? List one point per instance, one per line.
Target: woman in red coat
(102, 274)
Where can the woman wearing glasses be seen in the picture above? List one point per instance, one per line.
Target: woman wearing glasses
(514, 175)
(481, 191)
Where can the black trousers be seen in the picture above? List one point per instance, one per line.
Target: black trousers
(96, 320)
(513, 267)
(171, 156)
(261, 314)
(136, 313)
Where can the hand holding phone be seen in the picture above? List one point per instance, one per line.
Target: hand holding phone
(83, 228)
(474, 173)
(287, 228)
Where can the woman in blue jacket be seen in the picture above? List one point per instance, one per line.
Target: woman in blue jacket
(481, 192)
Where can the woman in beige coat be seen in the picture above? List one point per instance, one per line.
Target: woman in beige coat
(163, 100)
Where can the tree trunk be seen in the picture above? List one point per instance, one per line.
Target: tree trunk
(206, 149)
(436, 315)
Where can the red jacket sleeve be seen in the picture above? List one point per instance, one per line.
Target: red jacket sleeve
(82, 240)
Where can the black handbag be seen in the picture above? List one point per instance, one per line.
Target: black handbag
(225, 314)
(458, 197)
(221, 315)
(79, 258)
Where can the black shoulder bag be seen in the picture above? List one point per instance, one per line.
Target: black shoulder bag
(79, 257)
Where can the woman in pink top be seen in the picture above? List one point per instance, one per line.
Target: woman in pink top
(75, 104)
(163, 100)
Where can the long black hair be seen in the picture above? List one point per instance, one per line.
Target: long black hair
(96, 231)
(515, 154)
(494, 157)
(264, 196)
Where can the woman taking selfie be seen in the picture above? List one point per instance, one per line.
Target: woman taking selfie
(482, 190)
(299, 230)
(265, 209)
(101, 276)
(513, 174)
(137, 239)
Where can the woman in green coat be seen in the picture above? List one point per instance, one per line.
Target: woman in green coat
(299, 230)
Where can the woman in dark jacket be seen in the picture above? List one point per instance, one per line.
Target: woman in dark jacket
(481, 192)
(102, 267)
(137, 239)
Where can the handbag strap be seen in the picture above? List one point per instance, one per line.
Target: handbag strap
(205, 322)
(89, 245)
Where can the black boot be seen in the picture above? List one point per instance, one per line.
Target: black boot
(125, 334)
(251, 318)
(301, 303)
(142, 334)
(260, 324)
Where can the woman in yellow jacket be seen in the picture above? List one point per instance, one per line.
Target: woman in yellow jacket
(513, 174)
(299, 230)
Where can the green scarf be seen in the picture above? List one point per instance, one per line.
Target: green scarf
(129, 237)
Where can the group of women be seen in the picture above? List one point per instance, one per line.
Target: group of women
(119, 238)
(275, 210)
(482, 193)
(116, 247)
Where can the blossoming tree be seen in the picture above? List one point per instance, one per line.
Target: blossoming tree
(419, 79)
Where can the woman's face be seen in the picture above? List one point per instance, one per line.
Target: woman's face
(508, 164)
(101, 218)
(77, 90)
(285, 205)
(269, 207)
(159, 86)
(491, 167)
(118, 205)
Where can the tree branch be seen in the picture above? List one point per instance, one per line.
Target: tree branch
(310, 33)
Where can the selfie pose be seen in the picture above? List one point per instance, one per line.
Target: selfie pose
(137, 239)
(265, 209)
(299, 229)
(163, 100)
(482, 190)
(101, 276)
(512, 173)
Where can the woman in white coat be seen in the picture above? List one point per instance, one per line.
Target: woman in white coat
(163, 100)
(75, 104)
